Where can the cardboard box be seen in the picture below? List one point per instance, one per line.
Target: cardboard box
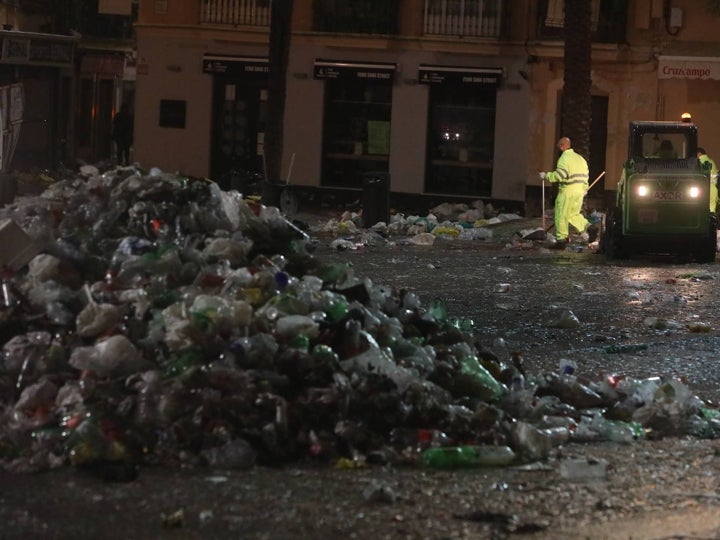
(17, 248)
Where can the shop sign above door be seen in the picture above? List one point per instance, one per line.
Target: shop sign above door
(688, 67)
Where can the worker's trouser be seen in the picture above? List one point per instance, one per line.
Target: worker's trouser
(713, 197)
(567, 210)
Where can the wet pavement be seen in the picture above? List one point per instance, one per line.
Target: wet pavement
(642, 317)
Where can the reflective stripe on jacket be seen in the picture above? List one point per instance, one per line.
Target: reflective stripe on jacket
(571, 169)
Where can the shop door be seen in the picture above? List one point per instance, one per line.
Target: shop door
(461, 129)
(356, 131)
(238, 129)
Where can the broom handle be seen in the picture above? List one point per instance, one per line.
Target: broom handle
(596, 180)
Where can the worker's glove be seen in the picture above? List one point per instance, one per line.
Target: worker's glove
(542, 175)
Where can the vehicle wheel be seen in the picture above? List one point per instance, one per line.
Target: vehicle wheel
(611, 239)
(706, 253)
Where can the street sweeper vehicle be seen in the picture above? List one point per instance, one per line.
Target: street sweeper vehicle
(663, 196)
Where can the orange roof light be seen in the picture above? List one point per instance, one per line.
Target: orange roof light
(686, 117)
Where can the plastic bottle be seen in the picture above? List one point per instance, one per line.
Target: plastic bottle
(531, 442)
(574, 393)
(456, 457)
(616, 430)
(557, 435)
(489, 387)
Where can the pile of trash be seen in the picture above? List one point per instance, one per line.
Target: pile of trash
(153, 318)
(460, 221)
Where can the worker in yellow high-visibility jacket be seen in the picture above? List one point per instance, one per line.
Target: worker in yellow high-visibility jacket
(704, 158)
(571, 175)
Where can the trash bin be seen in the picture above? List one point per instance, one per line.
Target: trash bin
(375, 198)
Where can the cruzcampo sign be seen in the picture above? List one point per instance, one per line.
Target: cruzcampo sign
(688, 67)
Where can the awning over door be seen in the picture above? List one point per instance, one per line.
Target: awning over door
(688, 67)
(458, 75)
(362, 71)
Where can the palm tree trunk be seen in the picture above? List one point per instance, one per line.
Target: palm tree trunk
(576, 108)
(279, 51)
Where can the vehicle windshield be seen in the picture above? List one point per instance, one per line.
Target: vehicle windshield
(665, 145)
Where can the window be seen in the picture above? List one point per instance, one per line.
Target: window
(356, 16)
(556, 13)
(464, 17)
(172, 113)
(665, 145)
(608, 20)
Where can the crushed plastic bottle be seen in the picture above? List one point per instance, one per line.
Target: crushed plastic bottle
(562, 318)
(530, 442)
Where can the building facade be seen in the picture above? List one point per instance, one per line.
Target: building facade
(65, 67)
(452, 98)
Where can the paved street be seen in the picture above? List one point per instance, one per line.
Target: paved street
(665, 310)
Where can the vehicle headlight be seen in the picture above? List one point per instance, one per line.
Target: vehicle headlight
(694, 192)
(643, 191)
